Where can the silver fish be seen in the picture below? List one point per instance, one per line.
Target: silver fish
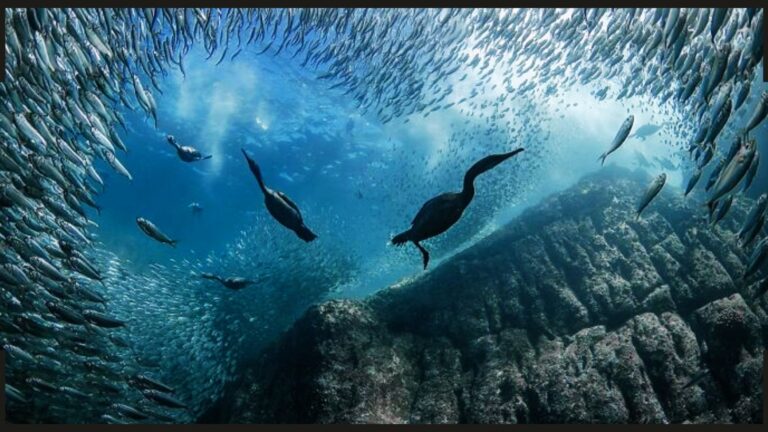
(619, 139)
(761, 111)
(151, 230)
(653, 189)
(734, 171)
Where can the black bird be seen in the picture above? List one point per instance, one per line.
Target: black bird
(186, 153)
(197, 209)
(233, 283)
(280, 206)
(442, 211)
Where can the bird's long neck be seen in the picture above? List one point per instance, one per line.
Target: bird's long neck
(468, 191)
(211, 276)
(257, 173)
(174, 143)
(481, 166)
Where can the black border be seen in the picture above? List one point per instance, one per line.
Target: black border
(2, 384)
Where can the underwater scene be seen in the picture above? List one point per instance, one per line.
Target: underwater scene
(383, 215)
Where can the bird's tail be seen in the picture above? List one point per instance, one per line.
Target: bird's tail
(401, 238)
(208, 276)
(305, 234)
(207, 157)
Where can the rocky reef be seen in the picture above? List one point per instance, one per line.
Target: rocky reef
(576, 311)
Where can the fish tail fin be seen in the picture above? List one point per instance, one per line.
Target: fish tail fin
(601, 158)
(424, 254)
(401, 238)
(305, 234)
(173, 243)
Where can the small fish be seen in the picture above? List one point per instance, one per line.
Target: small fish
(619, 139)
(81, 266)
(719, 120)
(106, 418)
(761, 111)
(749, 236)
(651, 192)
(722, 209)
(73, 392)
(163, 399)
(47, 269)
(757, 211)
(715, 174)
(13, 394)
(144, 381)
(151, 230)
(65, 313)
(129, 411)
(116, 164)
(750, 176)
(41, 384)
(101, 319)
(692, 181)
(734, 171)
(18, 353)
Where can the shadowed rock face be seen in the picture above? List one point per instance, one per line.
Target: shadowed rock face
(574, 312)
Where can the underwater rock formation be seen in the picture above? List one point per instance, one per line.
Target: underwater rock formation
(573, 312)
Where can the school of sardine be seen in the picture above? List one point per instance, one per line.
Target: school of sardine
(77, 325)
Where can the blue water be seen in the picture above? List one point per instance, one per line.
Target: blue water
(356, 180)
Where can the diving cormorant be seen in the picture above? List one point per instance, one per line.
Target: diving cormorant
(233, 283)
(280, 206)
(442, 211)
(186, 153)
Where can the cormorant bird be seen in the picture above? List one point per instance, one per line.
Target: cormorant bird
(233, 283)
(186, 153)
(280, 206)
(442, 211)
(196, 208)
